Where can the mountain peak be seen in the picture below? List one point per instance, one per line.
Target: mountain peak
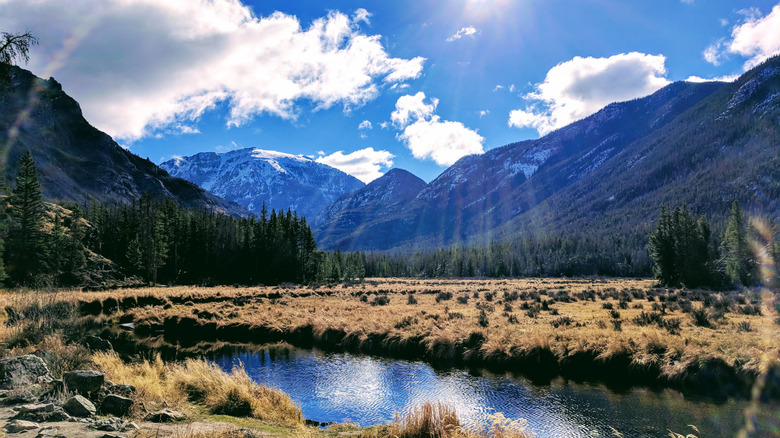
(253, 177)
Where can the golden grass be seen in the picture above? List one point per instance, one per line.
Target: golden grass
(200, 382)
(479, 309)
(506, 332)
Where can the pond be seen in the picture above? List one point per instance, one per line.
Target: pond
(342, 387)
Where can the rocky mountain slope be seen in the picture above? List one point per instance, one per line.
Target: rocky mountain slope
(705, 143)
(381, 198)
(77, 162)
(251, 177)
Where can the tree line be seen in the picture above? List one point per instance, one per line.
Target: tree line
(159, 242)
(155, 240)
(685, 253)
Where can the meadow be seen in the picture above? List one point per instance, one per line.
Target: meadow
(622, 331)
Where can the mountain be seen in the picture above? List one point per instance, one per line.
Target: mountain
(75, 161)
(251, 177)
(380, 198)
(705, 143)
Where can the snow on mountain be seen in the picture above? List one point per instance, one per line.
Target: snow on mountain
(251, 177)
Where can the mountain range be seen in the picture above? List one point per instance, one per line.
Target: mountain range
(254, 177)
(705, 143)
(77, 162)
(607, 174)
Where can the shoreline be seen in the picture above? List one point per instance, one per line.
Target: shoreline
(710, 377)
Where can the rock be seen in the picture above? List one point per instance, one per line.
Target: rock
(165, 416)
(50, 432)
(97, 344)
(127, 326)
(16, 426)
(41, 412)
(23, 370)
(116, 405)
(122, 389)
(110, 424)
(79, 406)
(84, 381)
(131, 426)
(16, 397)
(112, 435)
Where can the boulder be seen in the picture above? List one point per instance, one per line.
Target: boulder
(110, 424)
(165, 416)
(84, 381)
(96, 343)
(116, 405)
(17, 426)
(79, 406)
(23, 370)
(41, 412)
(50, 432)
(122, 389)
(16, 397)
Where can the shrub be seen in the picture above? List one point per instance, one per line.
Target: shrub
(443, 296)
(411, 299)
(380, 300)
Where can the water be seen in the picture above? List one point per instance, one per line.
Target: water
(367, 390)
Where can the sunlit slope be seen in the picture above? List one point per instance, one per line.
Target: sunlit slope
(705, 143)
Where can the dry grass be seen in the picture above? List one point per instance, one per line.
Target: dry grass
(203, 383)
(507, 319)
(490, 321)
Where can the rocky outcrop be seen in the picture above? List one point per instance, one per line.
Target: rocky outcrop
(23, 370)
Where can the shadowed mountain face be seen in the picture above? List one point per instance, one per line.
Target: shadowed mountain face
(251, 177)
(76, 161)
(705, 143)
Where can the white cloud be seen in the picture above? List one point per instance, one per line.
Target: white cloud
(365, 124)
(723, 22)
(409, 108)
(757, 38)
(483, 113)
(139, 66)
(469, 31)
(578, 88)
(430, 138)
(364, 164)
(728, 78)
(443, 142)
(498, 87)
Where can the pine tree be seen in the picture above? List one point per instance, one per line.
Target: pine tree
(662, 248)
(26, 243)
(737, 259)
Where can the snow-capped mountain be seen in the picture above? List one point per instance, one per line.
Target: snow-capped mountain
(251, 177)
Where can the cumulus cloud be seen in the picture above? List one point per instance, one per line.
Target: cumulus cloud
(139, 66)
(578, 88)
(409, 108)
(364, 164)
(365, 124)
(756, 38)
(468, 31)
(430, 138)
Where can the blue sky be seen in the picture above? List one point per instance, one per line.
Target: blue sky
(368, 85)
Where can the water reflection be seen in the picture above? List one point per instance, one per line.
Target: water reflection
(368, 390)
